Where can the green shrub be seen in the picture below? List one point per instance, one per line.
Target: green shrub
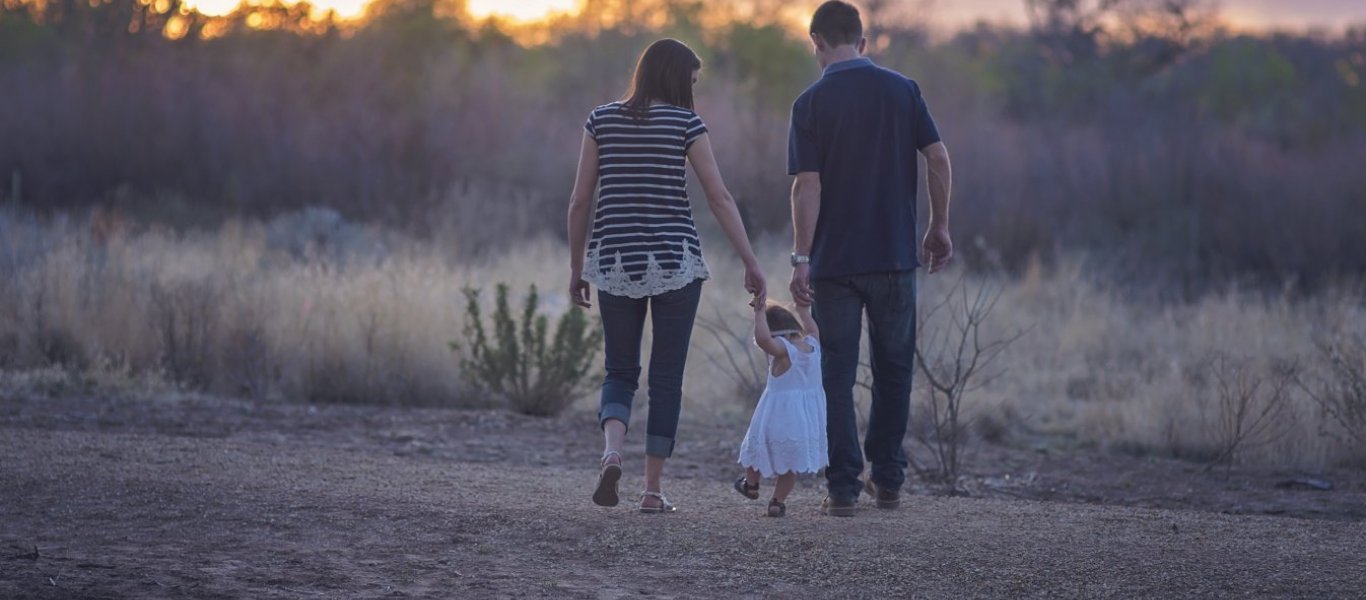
(517, 364)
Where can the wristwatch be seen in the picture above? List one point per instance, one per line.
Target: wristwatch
(800, 259)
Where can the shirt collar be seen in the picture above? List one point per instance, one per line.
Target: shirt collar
(845, 65)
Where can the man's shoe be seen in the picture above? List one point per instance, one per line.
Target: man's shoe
(837, 508)
(885, 499)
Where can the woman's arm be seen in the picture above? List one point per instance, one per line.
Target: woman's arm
(580, 214)
(727, 215)
(808, 323)
(763, 337)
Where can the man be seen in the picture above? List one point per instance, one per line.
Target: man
(852, 146)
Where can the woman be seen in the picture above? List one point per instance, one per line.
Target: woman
(644, 251)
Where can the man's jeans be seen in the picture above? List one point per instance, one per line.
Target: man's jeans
(889, 299)
(623, 322)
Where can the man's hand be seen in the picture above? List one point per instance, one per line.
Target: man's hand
(579, 291)
(938, 247)
(801, 285)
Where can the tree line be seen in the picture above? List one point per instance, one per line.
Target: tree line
(1148, 135)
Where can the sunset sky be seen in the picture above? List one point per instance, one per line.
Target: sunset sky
(1297, 14)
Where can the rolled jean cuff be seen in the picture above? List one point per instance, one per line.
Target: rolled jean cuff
(659, 446)
(612, 410)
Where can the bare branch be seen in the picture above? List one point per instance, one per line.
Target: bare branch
(952, 356)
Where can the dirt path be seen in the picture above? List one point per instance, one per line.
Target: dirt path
(249, 501)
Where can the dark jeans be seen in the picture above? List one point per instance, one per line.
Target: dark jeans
(623, 322)
(889, 299)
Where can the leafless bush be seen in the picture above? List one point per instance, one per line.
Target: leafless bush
(245, 357)
(731, 354)
(363, 368)
(1341, 396)
(185, 315)
(953, 357)
(332, 379)
(50, 342)
(1253, 405)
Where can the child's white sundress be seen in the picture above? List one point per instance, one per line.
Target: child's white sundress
(787, 431)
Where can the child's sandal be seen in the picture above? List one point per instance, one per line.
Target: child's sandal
(664, 506)
(776, 508)
(745, 489)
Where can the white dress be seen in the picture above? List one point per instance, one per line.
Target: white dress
(787, 431)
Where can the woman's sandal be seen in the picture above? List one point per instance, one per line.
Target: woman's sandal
(776, 508)
(745, 490)
(606, 493)
(664, 506)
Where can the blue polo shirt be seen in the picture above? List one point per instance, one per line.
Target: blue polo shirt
(860, 126)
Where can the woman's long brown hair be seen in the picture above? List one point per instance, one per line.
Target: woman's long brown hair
(664, 74)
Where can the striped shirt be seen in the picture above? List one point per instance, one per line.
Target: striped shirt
(644, 241)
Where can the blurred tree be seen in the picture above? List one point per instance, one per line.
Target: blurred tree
(1137, 130)
(1158, 33)
(1069, 30)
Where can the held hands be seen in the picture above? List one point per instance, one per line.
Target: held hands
(755, 285)
(938, 247)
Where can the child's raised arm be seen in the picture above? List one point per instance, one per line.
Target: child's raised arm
(762, 336)
(808, 322)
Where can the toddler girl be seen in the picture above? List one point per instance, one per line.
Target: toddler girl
(787, 432)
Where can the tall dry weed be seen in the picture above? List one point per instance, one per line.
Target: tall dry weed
(233, 312)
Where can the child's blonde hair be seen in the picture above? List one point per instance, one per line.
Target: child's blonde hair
(780, 318)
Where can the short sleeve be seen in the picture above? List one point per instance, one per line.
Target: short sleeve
(591, 125)
(803, 155)
(926, 132)
(696, 128)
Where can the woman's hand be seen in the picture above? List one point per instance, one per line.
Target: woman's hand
(756, 304)
(579, 292)
(755, 284)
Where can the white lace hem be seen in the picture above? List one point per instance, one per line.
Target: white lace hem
(654, 281)
(775, 457)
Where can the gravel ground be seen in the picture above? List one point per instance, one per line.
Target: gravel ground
(204, 498)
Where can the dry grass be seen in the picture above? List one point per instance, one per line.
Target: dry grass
(358, 315)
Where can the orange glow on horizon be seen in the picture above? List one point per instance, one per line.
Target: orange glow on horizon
(344, 9)
(523, 11)
(1240, 14)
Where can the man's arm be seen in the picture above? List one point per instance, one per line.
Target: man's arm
(938, 245)
(806, 208)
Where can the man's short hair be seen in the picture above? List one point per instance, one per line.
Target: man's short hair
(837, 23)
